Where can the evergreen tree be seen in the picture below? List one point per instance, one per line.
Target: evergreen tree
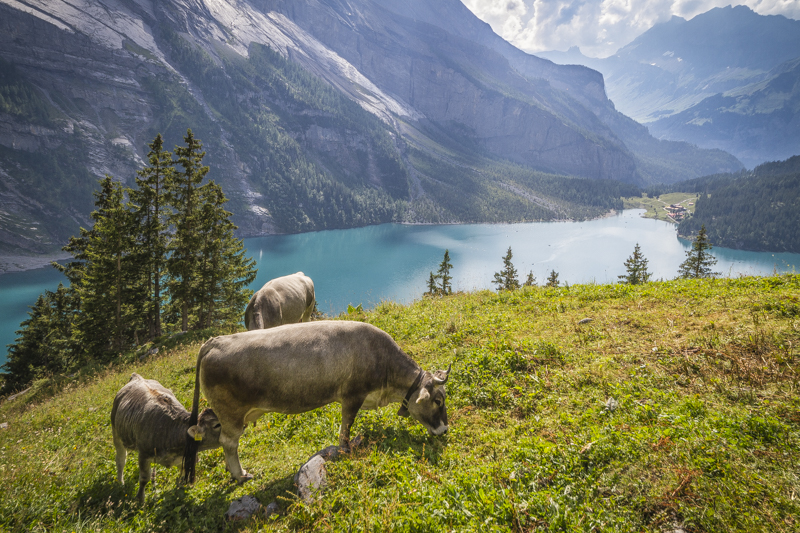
(636, 265)
(444, 274)
(225, 271)
(44, 344)
(506, 279)
(109, 288)
(186, 242)
(433, 289)
(114, 292)
(152, 217)
(552, 279)
(699, 260)
(530, 281)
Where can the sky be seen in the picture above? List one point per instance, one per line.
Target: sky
(598, 27)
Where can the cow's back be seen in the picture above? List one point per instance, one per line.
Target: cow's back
(284, 300)
(144, 412)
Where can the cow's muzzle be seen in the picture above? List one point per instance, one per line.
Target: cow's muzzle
(441, 430)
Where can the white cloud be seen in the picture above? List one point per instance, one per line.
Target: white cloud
(598, 27)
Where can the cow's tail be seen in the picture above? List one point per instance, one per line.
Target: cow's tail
(192, 446)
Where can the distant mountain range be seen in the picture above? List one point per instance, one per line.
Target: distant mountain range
(315, 114)
(725, 79)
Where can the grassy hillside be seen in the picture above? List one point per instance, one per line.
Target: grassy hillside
(675, 406)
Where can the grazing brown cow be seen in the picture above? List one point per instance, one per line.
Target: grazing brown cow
(284, 300)
(299, 367)
(147, 418)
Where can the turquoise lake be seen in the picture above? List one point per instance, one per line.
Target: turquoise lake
(393, 261)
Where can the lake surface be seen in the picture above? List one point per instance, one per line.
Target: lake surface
(393, 261)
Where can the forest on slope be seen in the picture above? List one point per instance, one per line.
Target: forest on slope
(755, 210)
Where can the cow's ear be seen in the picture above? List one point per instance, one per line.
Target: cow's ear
(195, 432)
(423, 395)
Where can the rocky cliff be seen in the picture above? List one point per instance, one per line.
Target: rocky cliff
(315, 114)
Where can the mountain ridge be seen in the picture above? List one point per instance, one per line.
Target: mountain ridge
(114, 75)
(697, 80)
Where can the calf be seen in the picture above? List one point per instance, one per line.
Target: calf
(148, 418)
(299, 367)
(284, 300)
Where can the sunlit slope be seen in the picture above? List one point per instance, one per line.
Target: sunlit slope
(675, 406)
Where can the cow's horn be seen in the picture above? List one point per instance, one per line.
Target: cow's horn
(442, 381)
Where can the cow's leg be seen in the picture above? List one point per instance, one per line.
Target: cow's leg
(230, 445)
(349, 410)
(122, 455)
(144, 476)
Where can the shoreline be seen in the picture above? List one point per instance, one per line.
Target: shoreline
(21, 263)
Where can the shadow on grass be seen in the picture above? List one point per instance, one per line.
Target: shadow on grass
(175, 507)
(393, 440)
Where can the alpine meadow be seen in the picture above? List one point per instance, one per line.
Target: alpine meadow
(674, 406)
(375, 266)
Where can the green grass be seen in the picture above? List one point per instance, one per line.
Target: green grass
(655, 206)
(705, 434)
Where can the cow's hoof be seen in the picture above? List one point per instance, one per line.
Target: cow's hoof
(245, 478)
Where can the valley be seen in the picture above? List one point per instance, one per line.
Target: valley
(314, 116)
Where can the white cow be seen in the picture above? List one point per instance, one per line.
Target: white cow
(284, 300)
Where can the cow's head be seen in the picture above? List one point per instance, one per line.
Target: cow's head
(427, 404)
(206, 432)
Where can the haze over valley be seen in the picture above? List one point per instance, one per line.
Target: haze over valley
(726, 79)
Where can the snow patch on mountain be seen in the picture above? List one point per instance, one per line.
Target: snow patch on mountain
(107, 23)
(236, 23)
(249, 25)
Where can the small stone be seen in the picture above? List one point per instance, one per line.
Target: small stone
(611, 405)
(4, 425)
(311, 478)
(17, 395)
(585, 320)
(243, 508)
(270, 510)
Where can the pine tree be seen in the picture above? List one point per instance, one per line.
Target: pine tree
(506, 279)
(152, 217)
(433, 288)
(444, 274)
(552, 279)
(530, 281)
(224, 271)
(184, 200)
(113, 295)
(44, 344)
(108, 289)
(699, 260)
(636, 265)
